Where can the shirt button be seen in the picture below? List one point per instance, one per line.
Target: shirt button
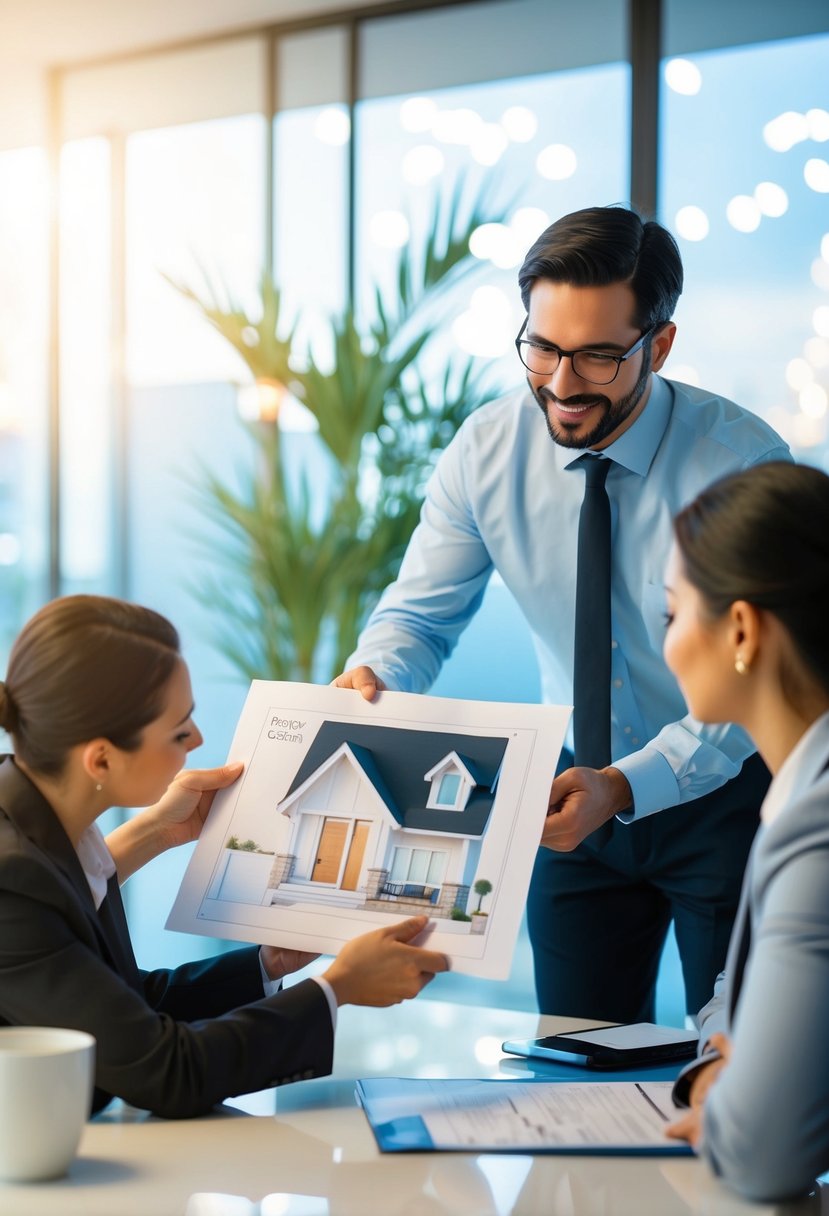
(634, 739)
(627, 730)
(614, 645)
(618, 683)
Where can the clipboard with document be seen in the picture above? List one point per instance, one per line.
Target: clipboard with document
(534, 1116)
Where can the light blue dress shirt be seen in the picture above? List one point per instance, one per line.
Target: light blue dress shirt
(505, 497)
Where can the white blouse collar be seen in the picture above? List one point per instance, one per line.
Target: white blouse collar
(799, 770)
(97, 861)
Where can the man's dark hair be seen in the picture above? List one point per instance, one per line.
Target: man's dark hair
(602, 245)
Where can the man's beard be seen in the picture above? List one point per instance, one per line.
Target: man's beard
(615, 412)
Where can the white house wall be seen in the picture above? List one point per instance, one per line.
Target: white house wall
(340, 793)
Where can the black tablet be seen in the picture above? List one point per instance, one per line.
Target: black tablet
(626, 1046)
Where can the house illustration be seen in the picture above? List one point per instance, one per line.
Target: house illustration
(384, 816)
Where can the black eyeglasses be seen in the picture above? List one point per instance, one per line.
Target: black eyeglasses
(594, 366)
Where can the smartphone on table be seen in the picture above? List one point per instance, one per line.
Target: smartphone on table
(623, 1046)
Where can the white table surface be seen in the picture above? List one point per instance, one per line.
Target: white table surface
(307, 1150)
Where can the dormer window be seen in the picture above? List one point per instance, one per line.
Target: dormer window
(449, 787)
(452, 781)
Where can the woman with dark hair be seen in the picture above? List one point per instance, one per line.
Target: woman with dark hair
(748, 599)
(97, 701)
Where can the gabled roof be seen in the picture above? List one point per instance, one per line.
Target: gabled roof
(362, 761)
(395, 759)
(473, 773)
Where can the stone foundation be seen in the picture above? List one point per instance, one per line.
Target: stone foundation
(405, 907)
(452, 895)
(374, 881)
(282, 868)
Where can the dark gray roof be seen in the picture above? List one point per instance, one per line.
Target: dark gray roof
(395, 760)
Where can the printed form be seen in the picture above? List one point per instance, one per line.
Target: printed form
(509, 1115)
(516, 1116)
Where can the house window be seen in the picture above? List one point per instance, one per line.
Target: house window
(425, 866)
(450, 786)
(448, 790)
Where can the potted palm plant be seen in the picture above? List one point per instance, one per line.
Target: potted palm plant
(302, 563)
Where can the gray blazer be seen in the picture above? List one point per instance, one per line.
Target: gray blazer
(766, 1129)
(173, 1042)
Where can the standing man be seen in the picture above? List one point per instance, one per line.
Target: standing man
(569, 491)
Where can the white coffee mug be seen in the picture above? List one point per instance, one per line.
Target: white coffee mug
(46, 1078)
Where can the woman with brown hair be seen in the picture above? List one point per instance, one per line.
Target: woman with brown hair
(747, 638)
(98, 703)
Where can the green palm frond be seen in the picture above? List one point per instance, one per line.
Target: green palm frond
(298, 566)
(253, 337)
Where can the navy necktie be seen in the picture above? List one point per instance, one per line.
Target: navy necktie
(591, 672)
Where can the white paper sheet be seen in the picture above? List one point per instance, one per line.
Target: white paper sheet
(505, 1116)
(612, 1114)
(351, 815)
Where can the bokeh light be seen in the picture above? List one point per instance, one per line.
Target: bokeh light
(813, 400)
(333, 126)
(692, 223)
(816, 175)
(816, 351)
(820, 273)
(527, 225)
(422, 164)
(485, 329)
(771, 199)
(520, 123)
(817, 124)
(556, 162)
(788, 129)
(488, 144)
(389, 229)
(798, 374)
(417, 114)
(683, 76)
(498, 244)
(743, 213)
(820, 320)
(456, 126)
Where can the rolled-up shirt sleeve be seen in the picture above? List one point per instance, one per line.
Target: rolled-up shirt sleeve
(685, 761)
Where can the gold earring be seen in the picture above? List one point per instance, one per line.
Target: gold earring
(740, 666)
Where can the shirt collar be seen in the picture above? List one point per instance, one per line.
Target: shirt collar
(96, 860)
(637, 446)
(798, 771)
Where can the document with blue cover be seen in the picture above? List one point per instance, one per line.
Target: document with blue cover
(584, 1117)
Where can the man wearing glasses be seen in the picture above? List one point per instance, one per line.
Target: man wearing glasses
(580, 529)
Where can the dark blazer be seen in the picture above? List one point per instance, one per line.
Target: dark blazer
(173, 1042)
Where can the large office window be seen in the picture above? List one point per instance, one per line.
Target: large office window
(24, 311)
(88, 473)
(536, 135)
(744, 158)
(312, 133)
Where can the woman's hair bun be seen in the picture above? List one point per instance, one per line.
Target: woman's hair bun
(8, 713)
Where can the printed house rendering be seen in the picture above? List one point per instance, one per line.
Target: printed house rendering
(384, 819)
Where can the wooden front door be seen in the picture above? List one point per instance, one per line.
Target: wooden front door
(356, 853)
(330, 851)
